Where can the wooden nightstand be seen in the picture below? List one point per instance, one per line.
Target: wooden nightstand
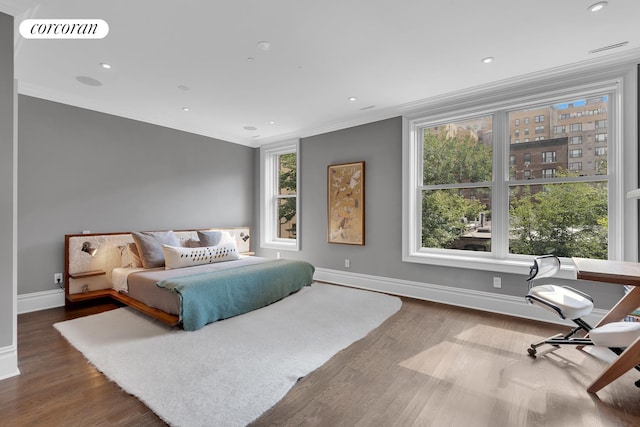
(79, 285)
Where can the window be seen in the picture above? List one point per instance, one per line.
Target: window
(279, 196)
(526, 131)
(455, 184)
(548, 157)
(526, 120)
(575, 140)
(575, 153)
(559, 129)
(516, 122)
(601, 151)
(469, 204)
(601, 124)
(601, 137)
(517, 132)
(539, 119)
(539, 129)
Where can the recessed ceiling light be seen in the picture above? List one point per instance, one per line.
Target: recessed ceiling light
(487, 59)
(264, 45)
(250, 128)
(185, 109)
(89, 81)
(352, 98)
(105, 65)
(598, 6)
(271, 122)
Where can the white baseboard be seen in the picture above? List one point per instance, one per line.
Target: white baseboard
(8, 362)
(40, 301)
(479, 300)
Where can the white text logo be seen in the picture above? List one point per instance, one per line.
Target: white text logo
(64, 28)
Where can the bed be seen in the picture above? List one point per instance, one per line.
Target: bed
(188, 277)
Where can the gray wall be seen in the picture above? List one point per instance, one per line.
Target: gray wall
(7, 315)
(379, 144)
(83, 170)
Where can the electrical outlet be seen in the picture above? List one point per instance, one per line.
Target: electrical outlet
(278, 255)
(347, 263)
(497, 282)
(57, 278)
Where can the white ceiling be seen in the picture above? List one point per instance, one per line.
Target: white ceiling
(390, 54)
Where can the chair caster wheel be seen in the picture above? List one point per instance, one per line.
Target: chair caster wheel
(532, 352)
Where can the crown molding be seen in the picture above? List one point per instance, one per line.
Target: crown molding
(56, 96)
(15, 7)
(378, 115)
(9, 7)
(606, 65)
(609, 64)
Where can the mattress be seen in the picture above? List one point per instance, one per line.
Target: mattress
(140, 284)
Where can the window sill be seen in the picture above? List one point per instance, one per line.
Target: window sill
(282, 245)
(510, 266)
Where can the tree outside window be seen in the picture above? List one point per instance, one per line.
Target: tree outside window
(456, 213)
(563, 212)
(287, 196)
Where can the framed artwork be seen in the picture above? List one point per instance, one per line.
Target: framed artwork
(345, 203)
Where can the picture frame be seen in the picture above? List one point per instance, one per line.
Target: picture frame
(346, 203)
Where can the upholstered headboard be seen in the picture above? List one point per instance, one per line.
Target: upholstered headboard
(85, 272)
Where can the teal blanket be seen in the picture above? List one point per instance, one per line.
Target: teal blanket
(207, 297)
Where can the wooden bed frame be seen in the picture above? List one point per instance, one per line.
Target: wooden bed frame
(88, 277)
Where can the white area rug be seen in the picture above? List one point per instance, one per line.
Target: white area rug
(229, 372)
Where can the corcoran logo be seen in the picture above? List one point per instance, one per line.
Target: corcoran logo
(64, 29)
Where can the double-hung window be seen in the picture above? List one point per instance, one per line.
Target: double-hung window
(279, 195)
(468, 203)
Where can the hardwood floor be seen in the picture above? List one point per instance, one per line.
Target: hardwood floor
(428, 365)
(57, 386)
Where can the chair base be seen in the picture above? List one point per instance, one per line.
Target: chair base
(560, 339)
(557, 341)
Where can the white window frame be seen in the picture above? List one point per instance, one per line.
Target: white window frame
(269, 155)
(621, 215)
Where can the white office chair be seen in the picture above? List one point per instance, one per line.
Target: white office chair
(570, 303)
(566, 302)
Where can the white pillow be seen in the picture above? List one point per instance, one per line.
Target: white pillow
(179, 257)
(129, 256)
